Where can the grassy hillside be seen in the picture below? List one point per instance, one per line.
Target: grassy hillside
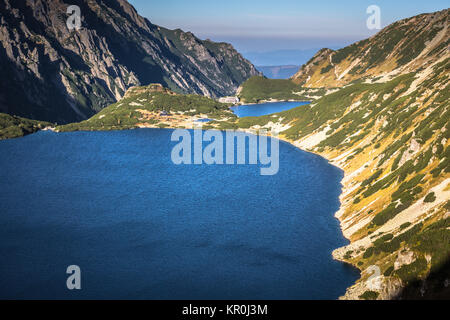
(258, 89)
(152, 105)
(404, 46)
(387, 127)
(14, 127)
(392, 140)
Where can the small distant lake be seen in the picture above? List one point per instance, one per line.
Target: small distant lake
(262, 109)
(141, 227)
(204, 120)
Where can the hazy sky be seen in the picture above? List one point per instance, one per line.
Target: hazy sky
(267, 25)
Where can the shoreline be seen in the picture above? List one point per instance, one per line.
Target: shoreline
(344, 189)
(268, 101)
(341, 196)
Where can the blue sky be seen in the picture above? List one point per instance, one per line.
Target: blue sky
(269, 25)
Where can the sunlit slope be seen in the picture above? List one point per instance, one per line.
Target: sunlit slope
(260, 89)
(392, 140)
(405, 46)
(153, 106)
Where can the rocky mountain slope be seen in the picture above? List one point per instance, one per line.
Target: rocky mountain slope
(405, 46)
(387, 126)
(54, 74)
(389, 131)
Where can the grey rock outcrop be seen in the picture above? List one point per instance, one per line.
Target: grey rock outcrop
(52, 73)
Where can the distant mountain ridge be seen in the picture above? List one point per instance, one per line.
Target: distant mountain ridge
(51, 73)
(278, 72)
(280, 57)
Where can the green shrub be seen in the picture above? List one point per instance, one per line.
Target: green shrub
(374, 177)
(431, 197)
(369, 295)
(258, 88)
(368, 253)
(388, 271)
(14, 127)
(348, 254)
(405, 225)
(412, 271)
(447, 206)
(326, 69)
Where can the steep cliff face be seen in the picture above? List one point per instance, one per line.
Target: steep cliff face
(52, 73)
(405, 46)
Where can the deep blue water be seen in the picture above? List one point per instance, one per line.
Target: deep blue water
(262, 109)
(141, 227)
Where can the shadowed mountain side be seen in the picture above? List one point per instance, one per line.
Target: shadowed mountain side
(55, 74)
(435, 287)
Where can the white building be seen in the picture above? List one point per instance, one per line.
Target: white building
(233, 100)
